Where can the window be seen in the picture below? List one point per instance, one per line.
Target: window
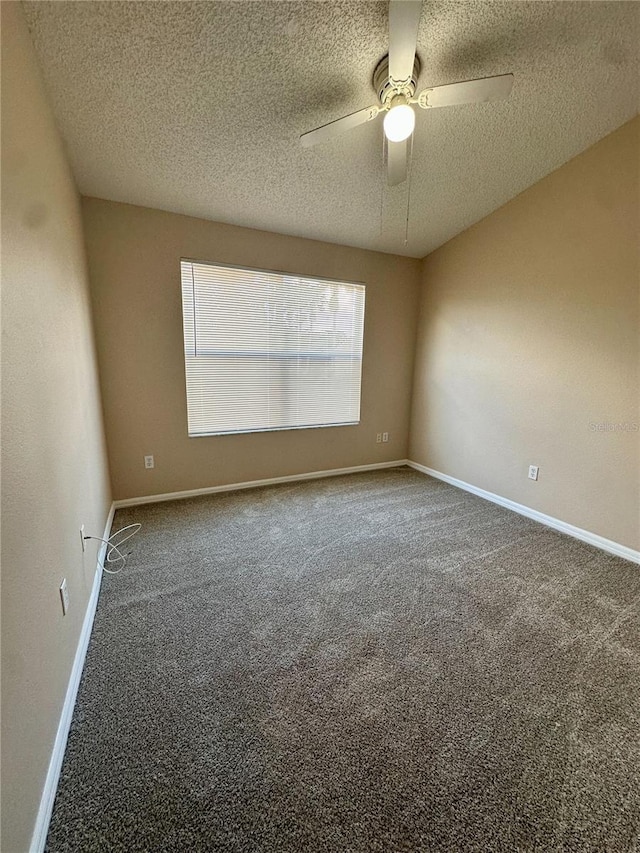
(269, 351)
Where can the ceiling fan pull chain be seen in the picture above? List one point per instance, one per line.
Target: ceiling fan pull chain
(406, 225)
(382, 184)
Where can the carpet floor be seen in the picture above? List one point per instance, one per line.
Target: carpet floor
(373, 662)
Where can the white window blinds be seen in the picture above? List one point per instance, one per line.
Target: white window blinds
(268, 351)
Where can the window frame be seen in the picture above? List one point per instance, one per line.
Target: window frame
(360, 285)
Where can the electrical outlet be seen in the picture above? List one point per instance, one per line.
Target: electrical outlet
(378, 437)
(385, 436)
(533, 472)
(149, 462)
(82, 537)
(64, 596)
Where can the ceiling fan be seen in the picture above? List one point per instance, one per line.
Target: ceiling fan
(394, 81)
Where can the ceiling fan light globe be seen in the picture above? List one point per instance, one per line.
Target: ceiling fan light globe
(399, 123)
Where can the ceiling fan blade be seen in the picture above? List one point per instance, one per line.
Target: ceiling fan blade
(404, 18)
(397, 162)
(340, 125)
(468, 92)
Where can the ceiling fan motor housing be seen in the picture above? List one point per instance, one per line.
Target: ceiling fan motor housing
(387, 89)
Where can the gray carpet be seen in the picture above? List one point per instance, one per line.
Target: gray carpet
(375, 662)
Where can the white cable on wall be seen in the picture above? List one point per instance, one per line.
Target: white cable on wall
(114, 547)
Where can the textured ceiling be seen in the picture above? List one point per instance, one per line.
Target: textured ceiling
(197, 107)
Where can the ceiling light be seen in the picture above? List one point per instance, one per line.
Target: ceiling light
(399, 123)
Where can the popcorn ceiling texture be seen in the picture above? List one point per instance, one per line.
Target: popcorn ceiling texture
(197, 108)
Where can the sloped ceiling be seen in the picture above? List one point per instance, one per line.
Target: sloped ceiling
(197, 107)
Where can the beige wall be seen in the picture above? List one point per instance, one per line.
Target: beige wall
(134, 259)
(54, 475)
(529, 333)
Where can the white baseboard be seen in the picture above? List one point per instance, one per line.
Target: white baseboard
(564, 527)
(254, 484)
(43, 818)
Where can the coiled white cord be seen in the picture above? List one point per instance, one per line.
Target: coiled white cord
(114, 547)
